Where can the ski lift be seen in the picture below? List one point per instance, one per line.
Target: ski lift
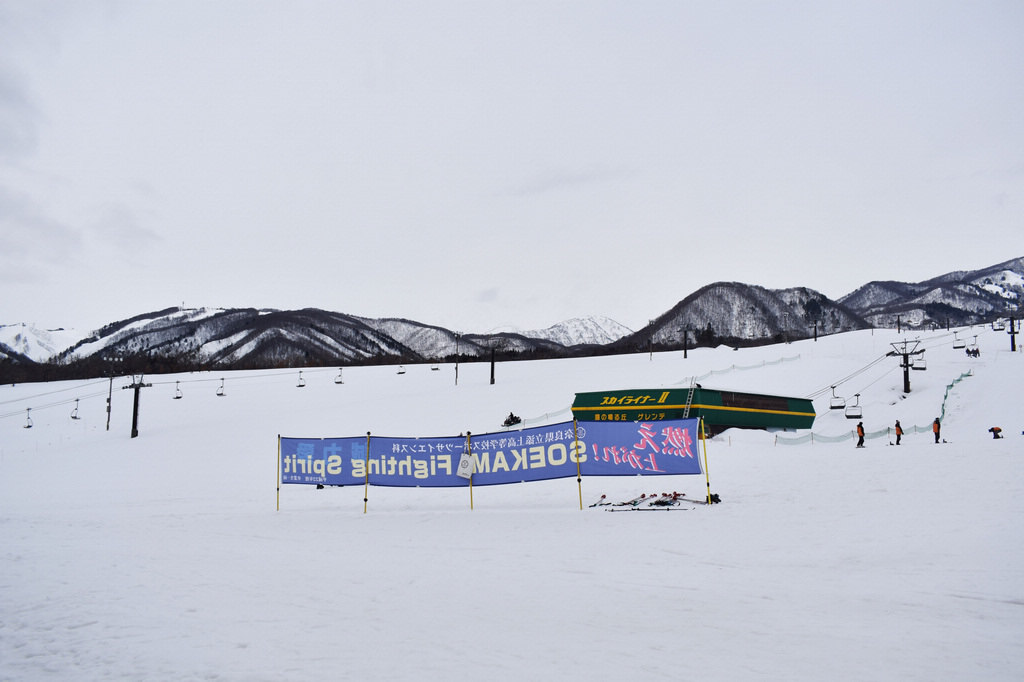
(837, 402)
(302, 382)
(434, 368)
(28, 417)
(855, 411)
(972, 349)
(919, 364)
(401, 369)
(958, 342)
(998, 326)
(220, 391)
(177, 390)
(74, 412)
(338, 379)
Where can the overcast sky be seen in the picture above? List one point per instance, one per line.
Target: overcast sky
(488, 164)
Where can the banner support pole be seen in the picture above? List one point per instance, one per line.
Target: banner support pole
(279, 472)
(366, 486)
(576, 452)
(707, 475)
(469, 449)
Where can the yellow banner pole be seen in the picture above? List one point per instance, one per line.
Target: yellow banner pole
(366, 487)
(576, 449)
(707, 475)
(469, 449)
(279, 472)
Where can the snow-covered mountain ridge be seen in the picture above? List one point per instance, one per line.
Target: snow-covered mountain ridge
(734, 313)
(597, 330)
(956, 298)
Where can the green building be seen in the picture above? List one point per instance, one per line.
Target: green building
(720, 410)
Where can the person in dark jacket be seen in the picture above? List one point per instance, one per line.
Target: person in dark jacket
(860, 434)
(899, 432)
(936, 427)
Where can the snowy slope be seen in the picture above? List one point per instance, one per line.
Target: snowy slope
(38, 345)
(164, 557)
(582, 330)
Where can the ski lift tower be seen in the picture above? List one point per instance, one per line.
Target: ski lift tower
(904, 350)
(136, 385)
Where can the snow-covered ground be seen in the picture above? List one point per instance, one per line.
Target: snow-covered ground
(165, 557)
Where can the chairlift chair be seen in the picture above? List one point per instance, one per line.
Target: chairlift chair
(74, 412)
(958, 342)
(338, 379)
(302, 382)
(177, 390)
(28, 417)
(401, 369)
(972, 349)
(919, 364)
(837, 402)
(855, 411)
(220, 390)
(434, 368)
(998, 326)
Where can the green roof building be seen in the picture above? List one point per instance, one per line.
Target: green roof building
(720, 410)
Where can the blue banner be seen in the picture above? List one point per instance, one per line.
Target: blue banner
(322, 461)
(531, 454)
(429, 462)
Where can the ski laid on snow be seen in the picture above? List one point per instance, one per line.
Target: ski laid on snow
(653, 502)
(651, 509)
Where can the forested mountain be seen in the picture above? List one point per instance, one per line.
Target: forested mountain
(182, 339)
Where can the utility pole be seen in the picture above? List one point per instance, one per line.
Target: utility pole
(137, 385)
(1013, 336)
(905, 353)
(110, 394)
(686, 336)
(457, 335)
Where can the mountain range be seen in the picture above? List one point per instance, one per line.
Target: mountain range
(733, 313)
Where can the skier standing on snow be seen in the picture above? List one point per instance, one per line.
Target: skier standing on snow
(899, 432)
(936, 427)
(860, 434)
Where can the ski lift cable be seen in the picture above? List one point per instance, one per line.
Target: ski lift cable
(880, 377)
(59, 403)
(53, 392)
(939, 341)
(277, 374)
(848, 377)
(63, 402)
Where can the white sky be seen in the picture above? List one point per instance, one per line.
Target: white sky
(484, 164)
